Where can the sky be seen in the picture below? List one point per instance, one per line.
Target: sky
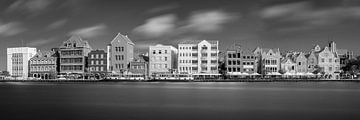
(286, 24)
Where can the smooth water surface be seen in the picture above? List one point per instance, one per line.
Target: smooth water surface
(169, 101)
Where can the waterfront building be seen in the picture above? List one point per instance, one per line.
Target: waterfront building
(73, 56)
(162, 59)
(121, 53)
(288, 65)
(312, 59)
(44, 65)
(18, 61)
(198, 57)
(140, 66)
(301, 62)
(241, 60)
(327, 61)
(270, 60)
(97, 60)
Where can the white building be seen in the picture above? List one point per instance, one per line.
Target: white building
(197, 57)
(18, 60)
(162, 58)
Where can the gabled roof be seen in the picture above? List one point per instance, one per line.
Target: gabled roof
(119, 37)
(287, 59)
(44, 54)
(78, 40)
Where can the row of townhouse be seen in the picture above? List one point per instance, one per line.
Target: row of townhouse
(76, 57)
(325, 61)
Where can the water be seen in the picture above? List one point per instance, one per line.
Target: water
(169, 101)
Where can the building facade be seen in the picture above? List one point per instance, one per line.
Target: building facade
(73, 55)
(198, 57)
(121, 53)
(301, 62)
(162, 58)
(97, 60)
(241, 60)
(329, 63)
(44, 65)
(270, 60)
(140, 66)
(18, 61)
(288, 65)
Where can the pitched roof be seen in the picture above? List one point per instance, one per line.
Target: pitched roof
(78, 40)
(120, 37)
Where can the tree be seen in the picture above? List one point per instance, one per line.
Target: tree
(4, 73)
(317, 70)
(281, 71)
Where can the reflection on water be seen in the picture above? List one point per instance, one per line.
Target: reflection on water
(161, 100)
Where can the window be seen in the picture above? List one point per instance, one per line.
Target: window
(203, 61)
(166, 66)
(154, 52)
(165, 51)
(322, 60)
(229, 62)
(159, 51)
(213, 61)
(299, 63)
(229, 55)
(102, 56)
(330, 60)
(92, 56)
(165, 58)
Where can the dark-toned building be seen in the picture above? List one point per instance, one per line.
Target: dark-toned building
(97, 60)
(73, 56)
(241, 60)
(44, 65)
(140, 66)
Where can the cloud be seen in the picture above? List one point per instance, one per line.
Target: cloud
(90, 32)
(57, 24)
(40, 42)
(33, 6)
(157, 26)
(163, 8)
(169, 25)
(208, 21)
(11, 28)
(303, 15)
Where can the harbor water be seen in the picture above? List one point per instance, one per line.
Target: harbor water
(180, 100)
